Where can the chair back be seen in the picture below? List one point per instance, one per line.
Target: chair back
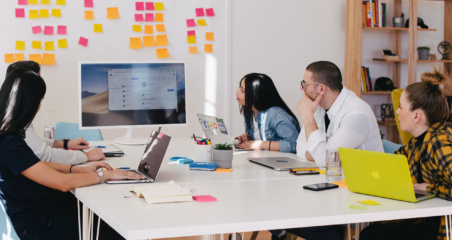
(71, 130)
(7, 231)
(389, 146)
(395, 95)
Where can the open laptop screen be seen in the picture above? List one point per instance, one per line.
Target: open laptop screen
(154, 153)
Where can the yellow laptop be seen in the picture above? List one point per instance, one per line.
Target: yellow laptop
(379, 174)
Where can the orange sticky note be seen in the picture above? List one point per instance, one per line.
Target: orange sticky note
(135, 43)
(48, 46)
(149, 41)
(136, 28)
(112, 13)
(62, 43)
(149, 29)
(20, 45)
(224, 170)
(202, 22)
(160, 27)
(159, 17)
(33, 13)
(208, 48)
(89, 15)
(209, 36)
(19, 57)
(45, 2)
(36, 44)
(191, 39)
(162, 40)
(48, 59)
(61, 2)
(98, 27)
(9, 58)
(158, 6)
(56, 12)
(193, 50)
(162, 53)
(35, 58)
(43, 13)
(32, 1)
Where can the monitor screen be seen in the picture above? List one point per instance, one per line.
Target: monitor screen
(125, 94)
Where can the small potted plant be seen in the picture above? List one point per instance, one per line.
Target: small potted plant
(423, 52)
(397, 22)
(222, 155)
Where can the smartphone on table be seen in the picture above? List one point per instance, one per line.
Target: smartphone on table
(320, 186)
(303, 172)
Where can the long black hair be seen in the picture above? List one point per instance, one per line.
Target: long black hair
(260, 92)
(20, 97)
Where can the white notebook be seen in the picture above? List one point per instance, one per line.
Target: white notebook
(163, 192)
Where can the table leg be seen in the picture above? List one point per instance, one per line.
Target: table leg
(85, 223)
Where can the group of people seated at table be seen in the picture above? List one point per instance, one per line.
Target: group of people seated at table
(36, 174)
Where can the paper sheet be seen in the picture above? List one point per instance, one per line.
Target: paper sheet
(20, 13)
(112, 13)
(149, 29)
(62, 43)
(48, 59)
(36, 44)
(161, 40)
(149, 17)
(160, 27)
(209, 36)
(159, 17)
(162, 53)
(49, 46)
(61, 30)
(98, 28)
(56, 12)
(89, 15)
(83, 41)
(149, 41)
(135, 43)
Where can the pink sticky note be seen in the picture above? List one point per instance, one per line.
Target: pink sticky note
(83, 41)
(150, 6)
(48, 30)
(36, 29)
(204, 198)
(20, 12)
(200, 12)
(191, 23)
(22, 2)
(139, 6)
(139, 17)
(89, 3)
(210, 12)
(149, 17)
(191, 33)
(61, 29)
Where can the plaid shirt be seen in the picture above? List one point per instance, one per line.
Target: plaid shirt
(430, 161)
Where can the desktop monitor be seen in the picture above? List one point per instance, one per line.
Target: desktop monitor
(131, 94)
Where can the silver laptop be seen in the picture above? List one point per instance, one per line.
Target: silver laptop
(282, 163)
(151, 160)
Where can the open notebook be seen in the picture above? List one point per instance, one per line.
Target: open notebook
(163, 193)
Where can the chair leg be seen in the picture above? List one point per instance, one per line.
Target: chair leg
(254, 235)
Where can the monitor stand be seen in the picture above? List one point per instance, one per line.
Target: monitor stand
(127, 139)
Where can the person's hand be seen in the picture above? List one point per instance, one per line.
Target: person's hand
(307, 107)
(121, 174)
(253, 144)
(420, 186)
(95, 154)
(78, 144)
(91, 167)
(243, 138)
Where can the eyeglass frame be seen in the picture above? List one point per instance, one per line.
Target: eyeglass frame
(303, 83)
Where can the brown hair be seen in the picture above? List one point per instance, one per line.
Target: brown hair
(326, 73)
(429, 97)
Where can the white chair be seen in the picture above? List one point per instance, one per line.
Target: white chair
(7, 230)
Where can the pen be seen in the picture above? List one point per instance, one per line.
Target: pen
(100, 146)
(194, 138)
(124, 168)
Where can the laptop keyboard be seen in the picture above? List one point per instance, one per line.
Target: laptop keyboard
(131, 170)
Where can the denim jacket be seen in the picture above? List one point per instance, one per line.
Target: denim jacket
(276, 124)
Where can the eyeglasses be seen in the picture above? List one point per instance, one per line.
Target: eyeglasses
(303, 83)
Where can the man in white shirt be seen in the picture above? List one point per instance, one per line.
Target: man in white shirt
(352, 123)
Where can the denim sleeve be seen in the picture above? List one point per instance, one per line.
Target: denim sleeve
(287, 130)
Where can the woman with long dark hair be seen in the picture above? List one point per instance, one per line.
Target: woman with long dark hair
(269, 123)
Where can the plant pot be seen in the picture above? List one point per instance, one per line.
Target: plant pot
(423, 53)
(223, 158)
(398, 22)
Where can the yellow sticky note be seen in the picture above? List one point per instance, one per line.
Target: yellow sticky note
(158, 17)
(20, 45)
(35, 58)
(45, 2)
(89, 15)
(162, 40)
(56, 12)
(209, 36)
(33, 13)
(9, 58)
(224, 170)
(149, 29)
(112, 13)
(98, 27)
(208, 48)
(162, 53)
(62, 43)
(193, 50)
(135, 43)
(160, 27)
(136, 28)
(191, 39)
(19, 57)
(32, 1)
(158, 6)
(43, 13)
(61, 2)
(36, 44)
(202, 22)
(369, 202)
(48, 59)
(149, 41)
(48, 46)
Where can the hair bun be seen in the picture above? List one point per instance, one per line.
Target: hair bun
(434, 78)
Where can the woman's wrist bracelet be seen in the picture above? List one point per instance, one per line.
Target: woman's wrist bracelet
(70, 169)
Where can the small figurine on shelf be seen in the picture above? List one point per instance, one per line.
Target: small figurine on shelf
(389, 54)
(445, 48)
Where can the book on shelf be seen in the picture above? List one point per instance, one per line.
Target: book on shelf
(163, 192)
(374, 13)
(367, 81)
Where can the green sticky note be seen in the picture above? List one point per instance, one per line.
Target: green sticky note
(357, 207)
(369, 202)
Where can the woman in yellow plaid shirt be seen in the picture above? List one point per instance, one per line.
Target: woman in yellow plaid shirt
(422, 112)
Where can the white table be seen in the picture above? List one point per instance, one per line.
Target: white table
(251, 198)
